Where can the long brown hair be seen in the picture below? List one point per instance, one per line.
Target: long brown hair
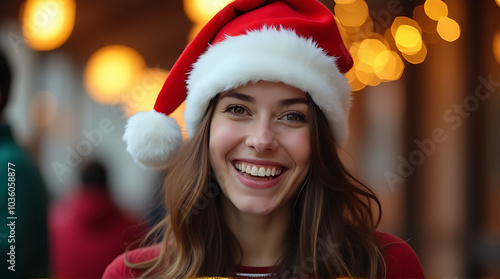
(332, 222)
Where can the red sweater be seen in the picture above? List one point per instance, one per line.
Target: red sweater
(87, 232)
(401, 261)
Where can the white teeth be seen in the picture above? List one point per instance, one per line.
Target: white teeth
(256, 171)
(262, 171)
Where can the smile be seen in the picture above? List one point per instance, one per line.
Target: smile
(258, 171)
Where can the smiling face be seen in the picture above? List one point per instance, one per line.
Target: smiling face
(260, 145)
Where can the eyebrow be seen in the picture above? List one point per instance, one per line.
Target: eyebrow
(250, 99)
(239, 96)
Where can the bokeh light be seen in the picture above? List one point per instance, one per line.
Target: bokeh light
(498, 2)
(408, 39)
(428, 25)
(416, 58)
(111, 71)
(353, 81)
(346, 1)
(393, 67)
(201, 11)
(496, 46)
(448, 29)
(47, 24)
(370, 51)
(353, 14)
(435, 9)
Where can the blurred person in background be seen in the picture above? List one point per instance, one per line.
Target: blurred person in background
(23, 201)
(88, 230)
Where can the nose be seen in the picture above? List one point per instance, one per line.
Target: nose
(261, 137)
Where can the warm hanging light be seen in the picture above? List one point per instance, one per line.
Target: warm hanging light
(496, 46)
(200, 12)
(448, 29)
(417, 58)
(435, 9)
(393, 67)
(370, 51)
(427, 24)
(353, 81)
(352, 14)
(348, 1)
(408, 39)
(111, 71)
(47, 24)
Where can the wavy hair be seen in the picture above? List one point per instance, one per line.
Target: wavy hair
(332, 219)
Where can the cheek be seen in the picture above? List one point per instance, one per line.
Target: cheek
(224, 136)
(299, 147)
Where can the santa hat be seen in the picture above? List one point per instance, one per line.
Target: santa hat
(291, 41)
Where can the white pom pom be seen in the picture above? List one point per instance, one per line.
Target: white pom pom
(152, 138)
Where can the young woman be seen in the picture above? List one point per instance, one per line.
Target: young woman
(259, 190)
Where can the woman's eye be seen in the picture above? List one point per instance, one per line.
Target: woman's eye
(236, 110)
(294, 117)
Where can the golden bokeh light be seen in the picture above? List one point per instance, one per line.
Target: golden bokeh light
(369, 52)
(348, 1)
(393, 67)
(111, 72)
(353, 14)
(201, 11)
(368, 78)
(408, 39)
(418, 57)
(498, 2)
(448, 29)
(496, 46)
(428, 25)
(435, 9)
(47, 24)
(355, 84)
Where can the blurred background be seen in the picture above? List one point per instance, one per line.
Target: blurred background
(424, 123)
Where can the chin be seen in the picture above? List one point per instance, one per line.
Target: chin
(254, 206)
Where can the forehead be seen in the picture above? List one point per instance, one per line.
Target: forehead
(269, 90)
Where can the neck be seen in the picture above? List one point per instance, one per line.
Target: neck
(262, 238)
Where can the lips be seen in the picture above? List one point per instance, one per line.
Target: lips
(258, 176)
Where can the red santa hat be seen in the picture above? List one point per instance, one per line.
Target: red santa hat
(296, 42)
